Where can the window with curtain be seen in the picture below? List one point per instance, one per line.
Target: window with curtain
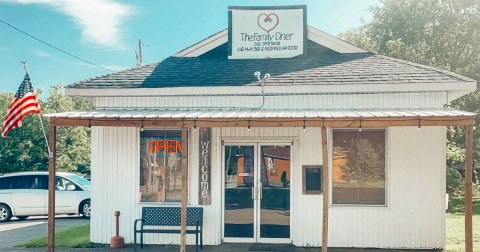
(161, 165)
(358, 167)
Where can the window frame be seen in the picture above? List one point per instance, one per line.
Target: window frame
(138, 171)
(387, 169)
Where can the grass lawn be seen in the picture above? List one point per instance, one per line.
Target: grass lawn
(456, 225)
(74, 237)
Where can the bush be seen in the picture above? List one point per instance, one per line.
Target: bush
(454, 181)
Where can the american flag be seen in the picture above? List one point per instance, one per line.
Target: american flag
(25, 102)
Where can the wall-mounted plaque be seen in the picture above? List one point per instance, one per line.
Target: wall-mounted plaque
(312, 179)
(204, 192)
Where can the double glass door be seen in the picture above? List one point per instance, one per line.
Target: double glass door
(256, 193)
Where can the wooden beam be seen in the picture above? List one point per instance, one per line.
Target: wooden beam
(52, 140)
(344, 122)
(183, 234)
(468, 188)
(326, 186)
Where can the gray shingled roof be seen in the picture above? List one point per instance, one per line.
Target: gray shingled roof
(331, 69)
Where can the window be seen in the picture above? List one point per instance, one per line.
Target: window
(79, 180)
(6, 183)
(63, 184)
(358, 167)
(29, 182)
(161, 165)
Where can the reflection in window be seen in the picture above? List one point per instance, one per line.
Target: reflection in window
(358, 167)
(29, 182)
(62, 184)
(239, 182)
(161, 166)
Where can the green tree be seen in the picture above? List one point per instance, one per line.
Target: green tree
(25, 148)
(73, 143)
(440, 33)
(455, 160)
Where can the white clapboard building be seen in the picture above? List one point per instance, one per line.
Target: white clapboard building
(256, 161)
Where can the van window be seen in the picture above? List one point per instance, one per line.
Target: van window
(21, 182)
(42, 181)
(5, 183)
(29, 182)
(61, 184)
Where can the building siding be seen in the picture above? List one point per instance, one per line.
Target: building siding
(413, 218)
(332, 101)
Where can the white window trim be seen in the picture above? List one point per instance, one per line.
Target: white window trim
(137, 175)
(387, 171)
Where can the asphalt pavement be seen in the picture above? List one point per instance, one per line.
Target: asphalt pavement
(16, 232)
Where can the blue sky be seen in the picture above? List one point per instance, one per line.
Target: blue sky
(106, 32)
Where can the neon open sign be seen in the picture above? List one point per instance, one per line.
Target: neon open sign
(164, 146)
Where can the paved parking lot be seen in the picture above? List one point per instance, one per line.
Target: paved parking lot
(16, 232)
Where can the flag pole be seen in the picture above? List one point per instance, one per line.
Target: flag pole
(50, 154)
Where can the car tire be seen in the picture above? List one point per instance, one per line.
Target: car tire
(22, 218)
(5, 213)
(85, 209)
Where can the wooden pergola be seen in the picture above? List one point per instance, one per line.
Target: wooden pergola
(185, 123)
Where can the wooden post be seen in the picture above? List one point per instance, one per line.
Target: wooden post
(183, 236)
(326, 192)
(468, 188)
(52, 140)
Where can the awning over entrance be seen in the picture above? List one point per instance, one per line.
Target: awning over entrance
(354, 118)
(265, 118)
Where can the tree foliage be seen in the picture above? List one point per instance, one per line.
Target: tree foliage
(25, 149)
(441, 33)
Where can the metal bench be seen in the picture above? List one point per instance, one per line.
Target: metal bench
(169, 217)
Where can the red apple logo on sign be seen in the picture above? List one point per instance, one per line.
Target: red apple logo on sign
(267, 22)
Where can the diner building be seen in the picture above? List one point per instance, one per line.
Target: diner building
(289, 133)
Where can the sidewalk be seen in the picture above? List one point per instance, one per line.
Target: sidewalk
(227, 247)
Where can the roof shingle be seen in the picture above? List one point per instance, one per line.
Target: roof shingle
(331, 69)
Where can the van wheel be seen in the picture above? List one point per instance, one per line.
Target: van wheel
(22, 217)
(85, 209)
(5, 213)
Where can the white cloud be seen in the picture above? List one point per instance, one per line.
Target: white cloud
(99, 20)
(41, 53)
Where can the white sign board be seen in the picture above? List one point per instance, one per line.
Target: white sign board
(266, 32)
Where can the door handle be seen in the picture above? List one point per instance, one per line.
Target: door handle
(253, 192)
(260, 189)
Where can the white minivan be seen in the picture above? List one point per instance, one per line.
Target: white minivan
(25, 194)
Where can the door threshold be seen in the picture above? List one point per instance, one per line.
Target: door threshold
(263, 241)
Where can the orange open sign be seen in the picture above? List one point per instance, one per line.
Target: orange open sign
(164, 146)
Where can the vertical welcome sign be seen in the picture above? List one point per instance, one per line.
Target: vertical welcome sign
(267, 32)
(204, 192)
